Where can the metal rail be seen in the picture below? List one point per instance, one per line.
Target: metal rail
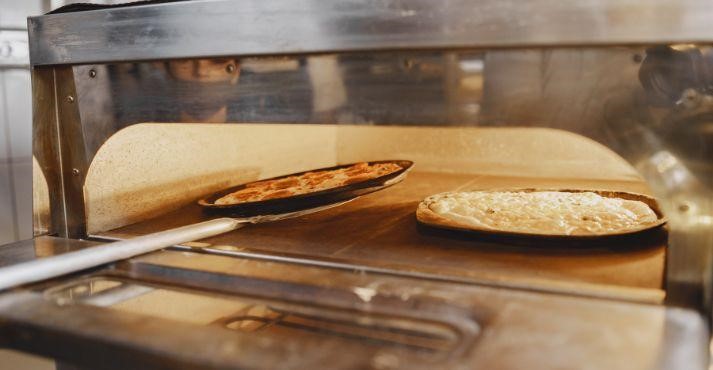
(255, 27)
(50, 267)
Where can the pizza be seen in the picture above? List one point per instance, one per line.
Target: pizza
(308, 182)
(559, 213)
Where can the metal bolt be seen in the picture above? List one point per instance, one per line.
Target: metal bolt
(230, 68)
(92, 73)
(70, 99)
(75, 171)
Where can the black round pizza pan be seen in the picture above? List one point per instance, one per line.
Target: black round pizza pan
(304, 201)
(643, 239)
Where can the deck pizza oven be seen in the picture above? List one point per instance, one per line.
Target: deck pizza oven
(140, 110)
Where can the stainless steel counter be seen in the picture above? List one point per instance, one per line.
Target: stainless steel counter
(173, 309)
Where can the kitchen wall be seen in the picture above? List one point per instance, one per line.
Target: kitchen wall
(15, 121)
(16, 143)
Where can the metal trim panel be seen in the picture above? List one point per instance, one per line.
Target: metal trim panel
(59, 320)
(255, 27)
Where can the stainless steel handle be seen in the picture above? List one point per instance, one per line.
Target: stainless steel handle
(50, 267)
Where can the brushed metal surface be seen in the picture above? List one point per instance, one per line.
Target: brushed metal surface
(13, 275)
(40, 247)
(501, 328)
(46, 150)
(222, 28)
(51, 267)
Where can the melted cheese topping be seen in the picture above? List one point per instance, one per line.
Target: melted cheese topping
(543, 212)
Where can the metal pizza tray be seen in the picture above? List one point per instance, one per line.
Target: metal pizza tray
(308, 200)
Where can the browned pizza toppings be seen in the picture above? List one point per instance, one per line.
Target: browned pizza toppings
(357, 178)
(308, 182)
(278, 194)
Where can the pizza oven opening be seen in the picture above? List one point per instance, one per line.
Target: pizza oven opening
(131, 139)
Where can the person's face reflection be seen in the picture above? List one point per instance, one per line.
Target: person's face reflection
(201, 84)
(205, 70)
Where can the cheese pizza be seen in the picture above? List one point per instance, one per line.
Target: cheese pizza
(308, 182)
(558, 213)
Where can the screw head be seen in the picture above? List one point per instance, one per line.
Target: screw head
(75, 171)
(92, 73)
(230, 68)
(70, 99)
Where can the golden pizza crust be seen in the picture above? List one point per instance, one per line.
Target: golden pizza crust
(428, 216)
(308, 182)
